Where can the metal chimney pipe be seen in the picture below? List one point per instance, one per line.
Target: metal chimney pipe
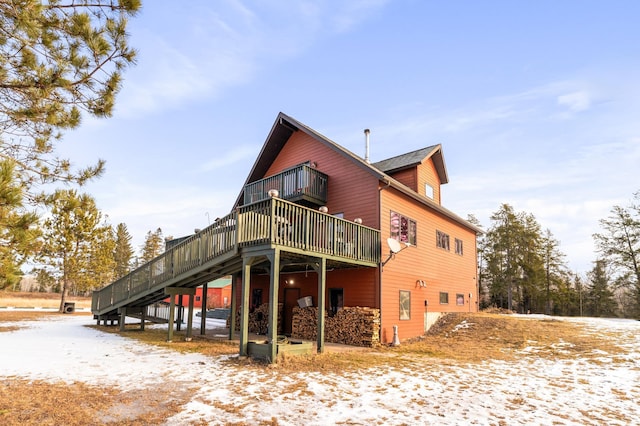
(366, 145)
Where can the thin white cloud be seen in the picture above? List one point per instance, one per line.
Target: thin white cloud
(576, 101)
(230, 157)
(236, 40)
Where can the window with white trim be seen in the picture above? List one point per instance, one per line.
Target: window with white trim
(428, 190)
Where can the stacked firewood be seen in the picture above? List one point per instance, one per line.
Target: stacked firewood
(356, 326)
(259, 319)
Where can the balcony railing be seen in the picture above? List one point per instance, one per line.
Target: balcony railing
(301, 183)
(266, 223)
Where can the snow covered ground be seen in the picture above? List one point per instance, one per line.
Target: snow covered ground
(604, 390)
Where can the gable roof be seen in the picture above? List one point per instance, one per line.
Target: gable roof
(415, 158)
(285, 126)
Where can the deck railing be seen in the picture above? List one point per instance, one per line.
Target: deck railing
(302, 181)
(268, 222)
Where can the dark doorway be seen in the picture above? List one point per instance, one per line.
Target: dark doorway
(291, 296)
(336, 300)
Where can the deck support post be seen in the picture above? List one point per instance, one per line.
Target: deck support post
(172, 311)
(180, 313)
(173, 291)
(234, 306)
(321, 269)
(244, 306)
(123, 315)
(190, 319)
(203, 310)
(273, 304)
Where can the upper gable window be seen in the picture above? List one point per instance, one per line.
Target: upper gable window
(403, 228)
(428, 190)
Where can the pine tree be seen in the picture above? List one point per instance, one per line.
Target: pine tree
(123, 251)
(600, 301)
(521, 265)
(72, 240)
(153, 245)
(101, 267)
(18, 227)
(619, 244)
(58, 60)
(554, 273)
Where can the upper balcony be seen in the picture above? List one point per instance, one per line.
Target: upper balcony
(301, 184)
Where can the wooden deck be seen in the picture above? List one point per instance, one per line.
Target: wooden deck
(298, 232)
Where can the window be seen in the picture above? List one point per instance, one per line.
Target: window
(459, 299)
(444, 298)
(197, 298)
(336, 300)
(459, 247)
(405, 305)
(428, 190)
(403, 228)
(442, 240)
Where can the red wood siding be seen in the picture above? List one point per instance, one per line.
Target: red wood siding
(441, 270)
(215, 298)
(408, 177)
(351, 189)
(357, 286)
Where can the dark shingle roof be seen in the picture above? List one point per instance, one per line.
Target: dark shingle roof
(410, 159)
(413, 159)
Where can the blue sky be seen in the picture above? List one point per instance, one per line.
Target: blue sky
(536, 104)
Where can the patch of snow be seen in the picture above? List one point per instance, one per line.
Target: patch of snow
(532, 390)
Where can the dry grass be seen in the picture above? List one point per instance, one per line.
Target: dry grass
(456, 338)
(478, 337)
(39, 300)
(25, 402)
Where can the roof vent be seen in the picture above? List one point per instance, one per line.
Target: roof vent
(366, 145)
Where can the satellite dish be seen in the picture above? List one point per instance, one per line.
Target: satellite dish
(394, 245)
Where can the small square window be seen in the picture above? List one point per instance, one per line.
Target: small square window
(428, 190)
(444, 298)
(459, 299)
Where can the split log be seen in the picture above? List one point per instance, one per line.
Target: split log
(356, 326)
(259, 319)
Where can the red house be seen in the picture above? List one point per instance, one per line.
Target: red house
(362, 242)
(436, 269)
(218, 295)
